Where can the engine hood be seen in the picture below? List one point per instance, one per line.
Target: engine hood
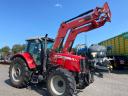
(68, 61)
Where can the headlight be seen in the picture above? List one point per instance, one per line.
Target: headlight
(94, 54)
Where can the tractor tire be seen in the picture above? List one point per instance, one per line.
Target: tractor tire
(61, 82)
(89, 78)
(19, 73)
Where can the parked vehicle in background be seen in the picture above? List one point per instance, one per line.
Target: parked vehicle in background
(119, 50)
(5, 59)
(97, 53)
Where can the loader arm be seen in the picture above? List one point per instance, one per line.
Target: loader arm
(84, 22)
(74, 32)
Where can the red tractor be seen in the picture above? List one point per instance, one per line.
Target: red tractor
(52, 61)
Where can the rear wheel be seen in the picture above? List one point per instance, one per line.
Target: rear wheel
(19, 73)
(61, 83)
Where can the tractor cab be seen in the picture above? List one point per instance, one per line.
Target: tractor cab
(38, 47)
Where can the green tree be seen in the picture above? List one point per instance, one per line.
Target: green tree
(5, 50)
(17, 48)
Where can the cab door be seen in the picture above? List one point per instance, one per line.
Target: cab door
(34, 48)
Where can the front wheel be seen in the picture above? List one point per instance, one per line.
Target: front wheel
(61, 82)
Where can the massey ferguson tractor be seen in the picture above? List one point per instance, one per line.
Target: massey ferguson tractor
(52, 61)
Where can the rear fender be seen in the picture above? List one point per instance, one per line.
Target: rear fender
(27, 58)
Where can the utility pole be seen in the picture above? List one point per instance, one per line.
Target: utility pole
(86, 42)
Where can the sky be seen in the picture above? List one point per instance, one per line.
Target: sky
(22, 19)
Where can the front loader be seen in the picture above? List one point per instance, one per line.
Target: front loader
(51, 60)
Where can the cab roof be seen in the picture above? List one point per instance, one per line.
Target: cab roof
(38, 38)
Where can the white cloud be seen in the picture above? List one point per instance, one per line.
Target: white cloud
(58, 5)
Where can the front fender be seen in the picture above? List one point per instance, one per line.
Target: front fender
(28, 59)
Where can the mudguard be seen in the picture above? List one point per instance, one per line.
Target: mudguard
(28, 59)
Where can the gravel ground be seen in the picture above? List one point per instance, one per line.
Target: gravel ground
(113, 84)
